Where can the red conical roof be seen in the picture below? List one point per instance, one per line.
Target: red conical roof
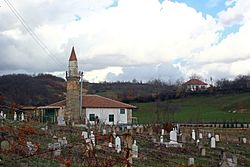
(73, 55)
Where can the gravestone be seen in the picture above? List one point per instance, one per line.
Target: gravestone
(104, 132)
(193, 134)
(92, 137)
(162, 132)
(57, 149)
(173, 136)
(217, 138)
(183, 138)
(64, 141)
(161, 139)
(209, 135)
(235, 161)
(60, 121)
(213, 142)
(15, 116)
(200, 136)
(84, 134)
(22, 116)
(244, 140)
(190, 161)
(4, 116)
(1, 114)
(134, 150)
(197, 142)
(203, 152)
(118, 144)
(50, 146)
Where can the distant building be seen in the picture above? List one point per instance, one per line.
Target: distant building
(195, 85)
(94, 107)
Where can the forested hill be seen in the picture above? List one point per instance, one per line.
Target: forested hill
(44, 89)
(30, 90)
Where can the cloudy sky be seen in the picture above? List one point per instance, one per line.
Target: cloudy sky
(126, 39)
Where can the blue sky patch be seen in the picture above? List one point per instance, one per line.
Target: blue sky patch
(211, 7)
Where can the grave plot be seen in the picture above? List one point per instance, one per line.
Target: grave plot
(36, 144)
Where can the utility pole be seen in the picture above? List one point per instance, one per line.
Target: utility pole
(80, 110)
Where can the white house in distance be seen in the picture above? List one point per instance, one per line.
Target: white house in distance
(195, 85)
(107, 110)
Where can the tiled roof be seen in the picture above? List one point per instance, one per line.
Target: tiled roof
(73, 55)
(195, 82)
(96, 101)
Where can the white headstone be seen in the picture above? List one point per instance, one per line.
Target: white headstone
(217, 138)
(161, 139)
(200, 136)
(15, 116)
(84, 134)
(22, 116)
(4, 116)
(118, 144)
(1, 114)
(162, 132)
(190, 161)
(213, 142)
(193, 134)
(110, 145)
(244, 140)
(60, 120)
(104, 132)
(134, 150)
(92, 137)
(197, 142)
(203, 152)
(173, 136)
(209, 135)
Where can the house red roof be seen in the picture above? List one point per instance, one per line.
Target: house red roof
(96, 101)
(73, 55)
(195, 82)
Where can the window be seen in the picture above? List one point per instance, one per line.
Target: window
(91, 117)
(122, 111)
(111, 117)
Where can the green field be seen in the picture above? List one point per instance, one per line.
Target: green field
(225, 108)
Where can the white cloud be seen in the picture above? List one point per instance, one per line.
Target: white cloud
(237, 14)
(135, 33)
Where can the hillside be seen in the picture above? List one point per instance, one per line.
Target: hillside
(28, 90)
(230, 107)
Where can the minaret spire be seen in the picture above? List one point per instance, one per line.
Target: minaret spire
(73, 55)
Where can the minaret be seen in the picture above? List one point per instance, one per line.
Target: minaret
(73, 90)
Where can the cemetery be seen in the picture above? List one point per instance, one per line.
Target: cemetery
(169, 144)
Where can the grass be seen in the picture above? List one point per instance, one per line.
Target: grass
(196, 109)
